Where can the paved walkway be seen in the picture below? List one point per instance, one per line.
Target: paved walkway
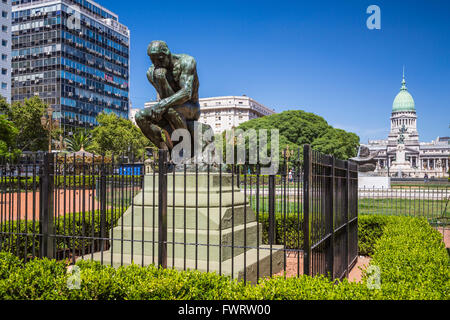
(21, 206)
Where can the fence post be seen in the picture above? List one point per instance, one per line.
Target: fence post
(306, 226)
(347, 226)
(272, 191)
(103, 233)
(330, 196)
(46, 207)
(162, 209)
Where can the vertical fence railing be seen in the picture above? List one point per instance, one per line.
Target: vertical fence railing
(301, 219)
(330, 216)
(46, 212)
(162, 209)
(307, 179)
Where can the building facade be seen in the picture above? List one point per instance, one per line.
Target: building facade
(226, 113)
(431, 159)
(73, 54)
(5, 49)
(132, 114)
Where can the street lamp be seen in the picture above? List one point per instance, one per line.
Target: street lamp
(287, 154)
(49, 125)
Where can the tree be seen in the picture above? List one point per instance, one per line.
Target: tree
(81, 140)
(8, 134)
(297, 128)
(26, 117)
(116, 135)
(338, 142)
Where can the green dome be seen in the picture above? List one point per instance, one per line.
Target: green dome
(404, 100)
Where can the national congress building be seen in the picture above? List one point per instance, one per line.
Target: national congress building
(430, 158)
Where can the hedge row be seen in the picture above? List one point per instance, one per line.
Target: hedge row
(68, 181)
(288, 232)
(413, 261)
(21, 238)
(410, 255)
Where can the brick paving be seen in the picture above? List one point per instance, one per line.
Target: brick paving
(20, 206)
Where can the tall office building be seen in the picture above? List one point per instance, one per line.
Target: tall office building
(5, 49)
(74, 54)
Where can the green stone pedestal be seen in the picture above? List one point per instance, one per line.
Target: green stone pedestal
(202, 233)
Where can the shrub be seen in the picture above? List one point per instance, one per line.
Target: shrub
(413, 261)
(412, 258)
(370, 229)
(22, 237)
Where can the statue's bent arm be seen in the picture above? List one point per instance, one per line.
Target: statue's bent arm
(187, 78)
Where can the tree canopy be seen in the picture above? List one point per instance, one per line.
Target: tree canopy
(81, 140)
(8, 134)
(26, 117)
(297, 128)
(116, 135)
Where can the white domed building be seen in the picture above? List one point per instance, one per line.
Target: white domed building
(423, 158)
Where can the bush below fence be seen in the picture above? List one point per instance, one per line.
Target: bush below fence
(409, 253)
(19, 239)
(69, 181)
(76, 234)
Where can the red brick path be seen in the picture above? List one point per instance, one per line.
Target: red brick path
(19, 206)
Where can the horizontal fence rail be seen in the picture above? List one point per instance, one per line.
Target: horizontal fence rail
(432, 203)
(236, 222)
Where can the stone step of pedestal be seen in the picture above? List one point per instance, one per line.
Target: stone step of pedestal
(194, 182)
(228, 242)
(269, 258)
(192, 198)
(190, 217)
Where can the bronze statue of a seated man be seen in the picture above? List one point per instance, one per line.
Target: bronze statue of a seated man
(175, 78)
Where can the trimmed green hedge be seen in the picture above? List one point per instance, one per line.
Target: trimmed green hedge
(413, 261)
(370, 230)
(410, 254)
(69, 181)
(19, 239)
(288, 231)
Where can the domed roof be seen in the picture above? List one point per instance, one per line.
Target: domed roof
(404, 100)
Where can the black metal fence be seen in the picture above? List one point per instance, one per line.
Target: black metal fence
(331, 212)
(237, 222)
(430, 202)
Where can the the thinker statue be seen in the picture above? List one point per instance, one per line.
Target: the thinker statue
(175, 78)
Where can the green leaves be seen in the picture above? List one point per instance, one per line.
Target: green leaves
(8, 136)
(413, 261)
(26, 116)
(298, 128)
(409, 253)
(115, 135)
(81, 140)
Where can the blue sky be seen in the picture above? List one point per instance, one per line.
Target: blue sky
(316, 56)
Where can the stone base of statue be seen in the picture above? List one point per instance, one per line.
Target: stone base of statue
(202, 232)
